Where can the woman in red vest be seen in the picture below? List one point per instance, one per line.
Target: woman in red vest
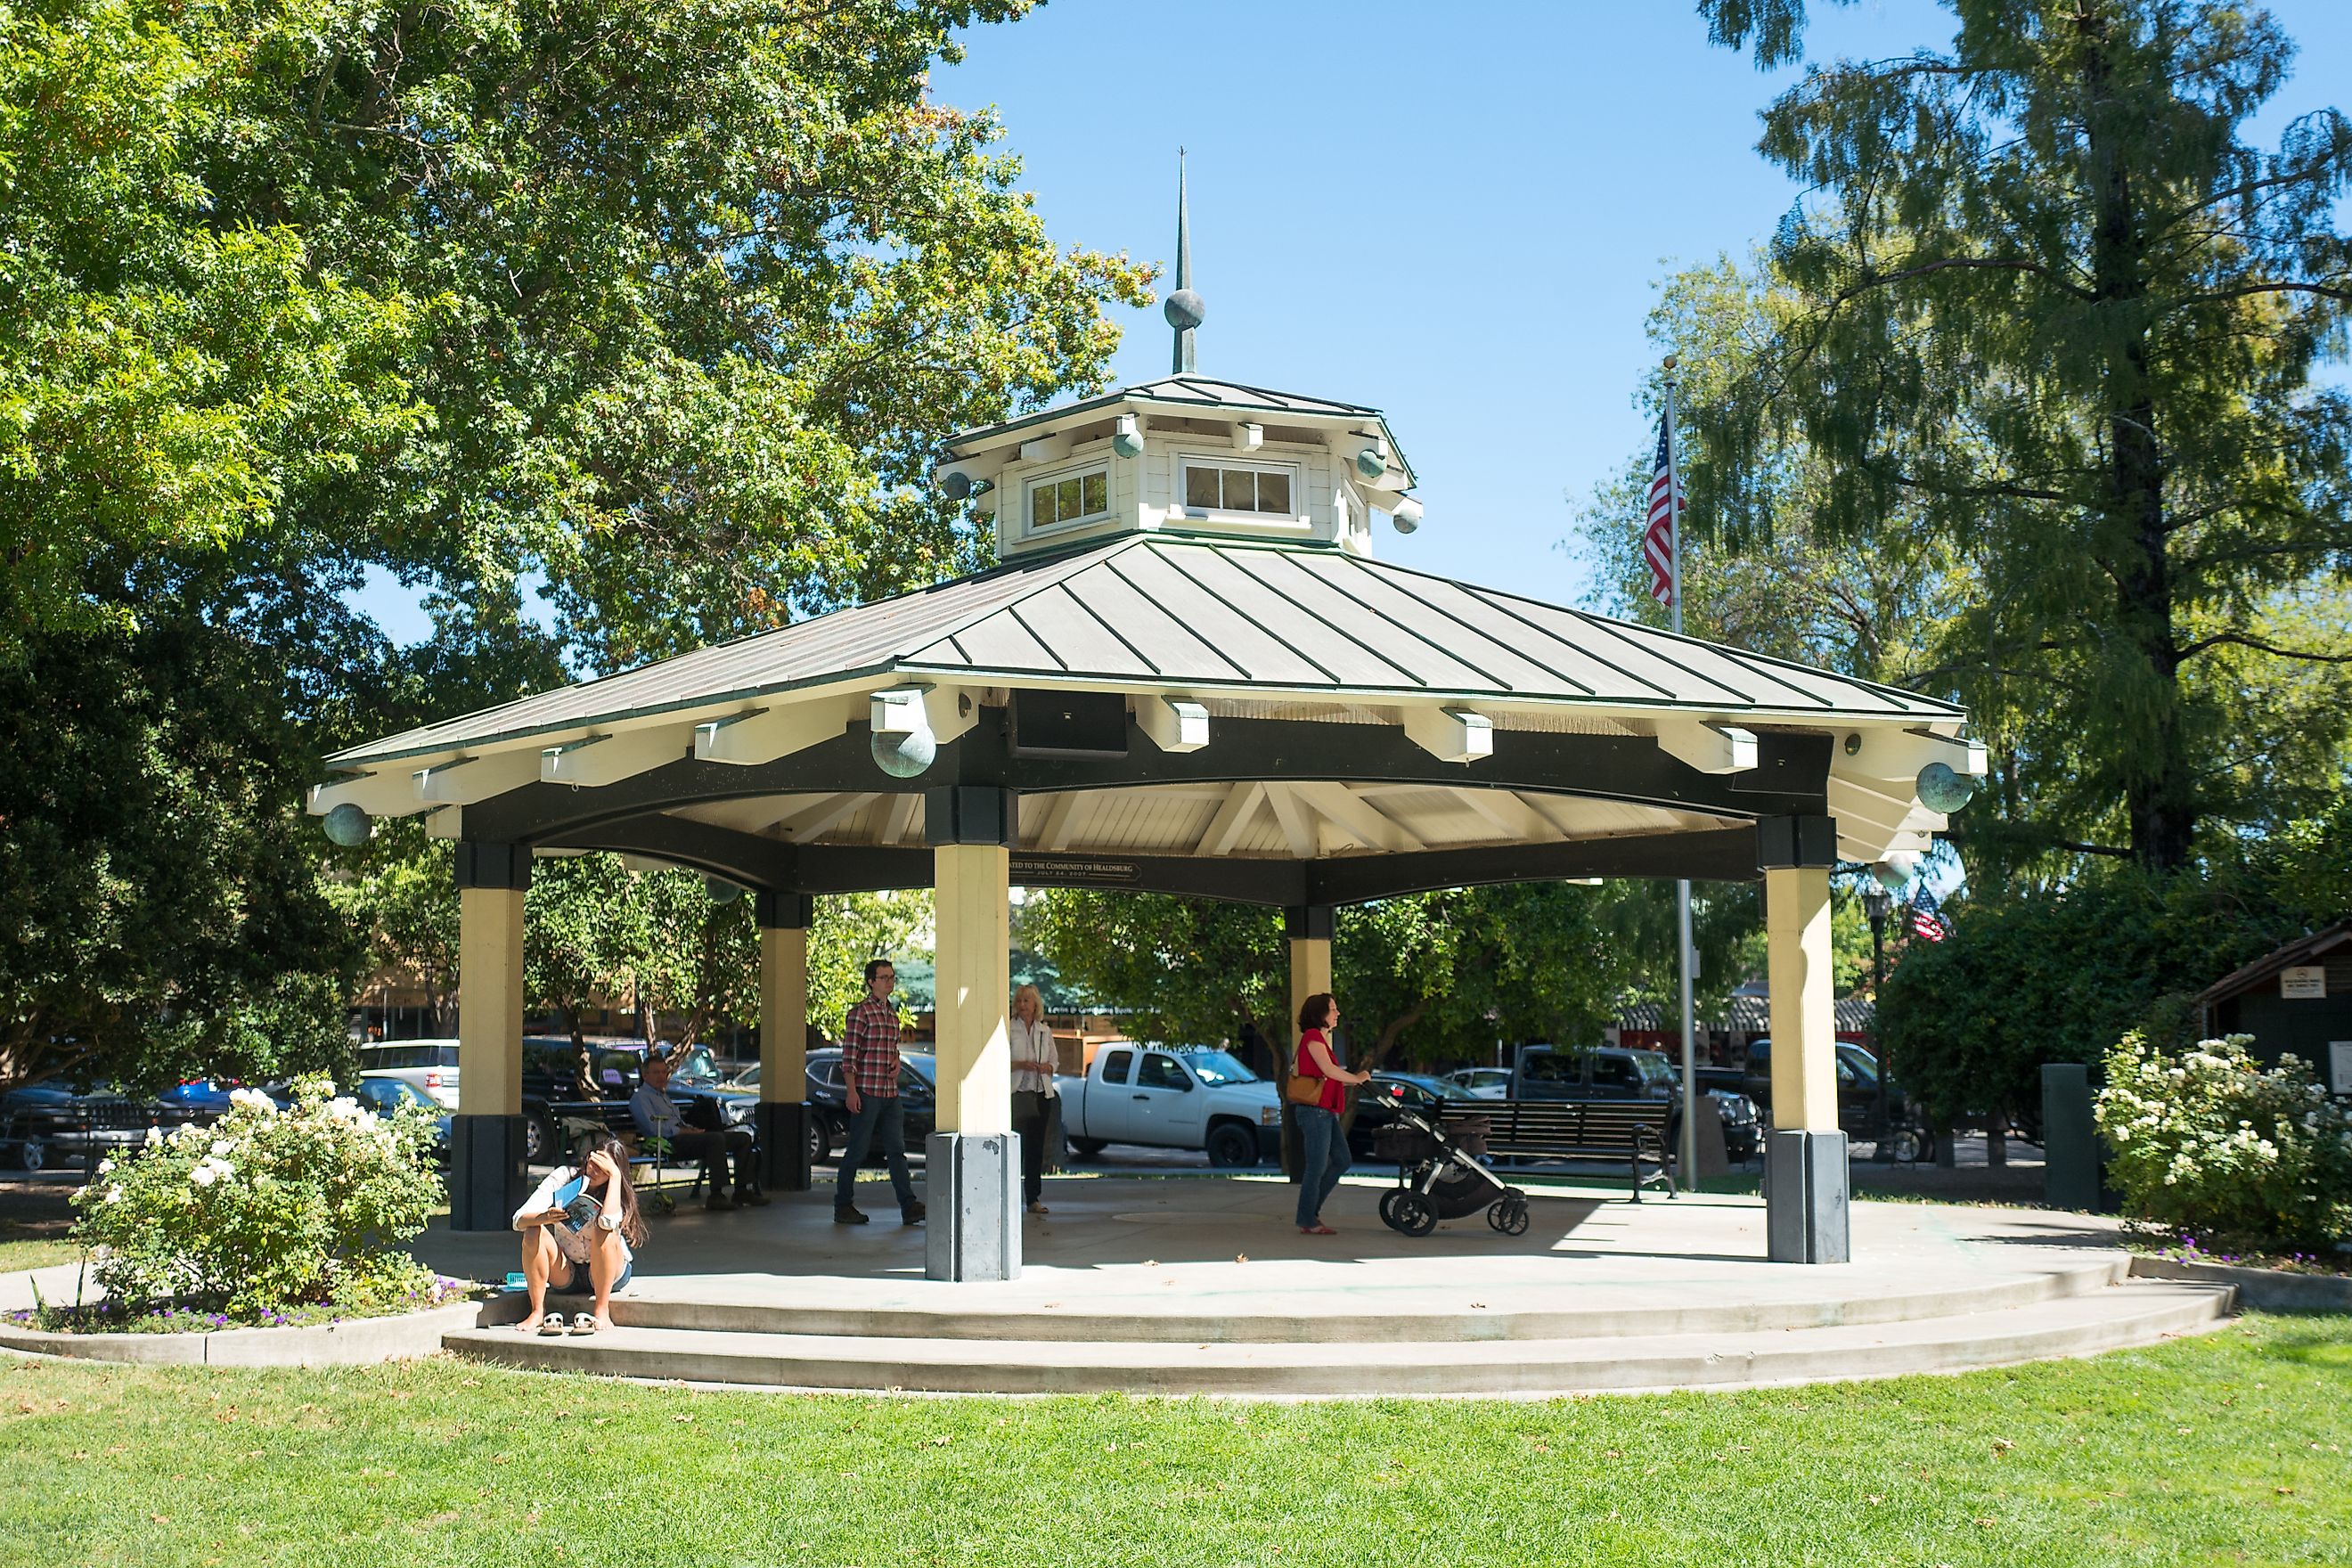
(1325, 1149)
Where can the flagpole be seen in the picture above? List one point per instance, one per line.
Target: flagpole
(1687, 1156)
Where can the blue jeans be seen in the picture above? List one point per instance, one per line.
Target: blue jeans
(1326, 1160)
(889, 1117)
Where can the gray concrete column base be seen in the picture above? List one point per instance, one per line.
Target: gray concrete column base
(783, 1146)
(487, 1182)
(972, 1189)
(1805, 1198)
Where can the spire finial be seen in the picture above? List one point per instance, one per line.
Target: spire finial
(1183, 308)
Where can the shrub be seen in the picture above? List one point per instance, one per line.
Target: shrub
(267, 1210)
(2208, 1142)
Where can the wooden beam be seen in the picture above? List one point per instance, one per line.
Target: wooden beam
(1709, 748)
(1232, 820)
(1358, 817)
(1451, 734)
(1510, 816)
(392, 794)
(608, 759)
(764, 734)
(471, 779)
(1068, 813)
(1173, 723)
(810, 821)
(1296, 828)
(901, 817)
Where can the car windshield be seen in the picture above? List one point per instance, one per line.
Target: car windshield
(1654, 1068)
(1215, 1068)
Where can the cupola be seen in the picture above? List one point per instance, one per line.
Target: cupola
(1188, 454)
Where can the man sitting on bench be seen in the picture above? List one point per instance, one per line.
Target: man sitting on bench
(659, 1119)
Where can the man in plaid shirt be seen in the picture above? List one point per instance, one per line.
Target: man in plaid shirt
(869, 1073)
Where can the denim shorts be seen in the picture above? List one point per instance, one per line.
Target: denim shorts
(581, 1283)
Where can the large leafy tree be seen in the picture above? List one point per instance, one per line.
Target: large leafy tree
(2054, 310)
(665, 305)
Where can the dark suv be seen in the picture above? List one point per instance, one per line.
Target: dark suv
(1906, 1139)
(1620, 1072)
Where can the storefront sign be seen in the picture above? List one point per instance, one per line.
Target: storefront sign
(2303, 983)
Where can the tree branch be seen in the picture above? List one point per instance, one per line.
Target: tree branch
(2260, 645)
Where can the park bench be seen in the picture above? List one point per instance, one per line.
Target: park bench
(656, 1181)
(1633, 1131)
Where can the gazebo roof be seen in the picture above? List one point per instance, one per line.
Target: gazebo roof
(1199, 617)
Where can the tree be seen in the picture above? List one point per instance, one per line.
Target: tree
(2055, 311)
(2061, 976)
(162, 907)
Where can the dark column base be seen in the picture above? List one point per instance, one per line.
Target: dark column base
(2074, 1158)
(783, 1146)
(486, 1172)
(1805, 1204)
(973, 1187)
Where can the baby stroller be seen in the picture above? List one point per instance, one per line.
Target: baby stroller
(1439, 1175)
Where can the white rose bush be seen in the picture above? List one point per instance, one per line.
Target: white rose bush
(2208, 1143)
(267, 1210)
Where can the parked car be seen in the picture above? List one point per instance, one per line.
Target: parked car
(45, 1123)
(1904, 1136)
(386, 1092)
(918, 1073)
(1486, 1083)
(429, 1064)
(1169, 1096)
(206, 1099)
(1620, 1072)
(1377, 1105)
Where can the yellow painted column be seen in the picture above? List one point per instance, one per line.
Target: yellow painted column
(1804, 1022)
(783, 1014)
(489, 1001)
(1311, 972)
(973, 884)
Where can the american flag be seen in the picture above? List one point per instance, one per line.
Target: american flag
(1925, 920)
(1658, 542)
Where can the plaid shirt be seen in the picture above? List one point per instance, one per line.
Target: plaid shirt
(869, 1049)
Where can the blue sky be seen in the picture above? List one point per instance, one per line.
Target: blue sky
(1456, 213)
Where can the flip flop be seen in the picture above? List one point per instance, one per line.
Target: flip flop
(584, 1323)
(552, 1324)
(1317, 1230)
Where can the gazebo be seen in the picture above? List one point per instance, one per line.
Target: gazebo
(1188, 674)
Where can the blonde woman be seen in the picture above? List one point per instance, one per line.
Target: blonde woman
(1033, 1092)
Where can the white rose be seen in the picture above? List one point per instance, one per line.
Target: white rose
(221, 1146)
(201, 1176)
(114, 1195)
(104, 1166)
(154, 1136)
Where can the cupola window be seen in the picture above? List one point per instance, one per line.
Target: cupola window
(1064, 498)
(1224, 486)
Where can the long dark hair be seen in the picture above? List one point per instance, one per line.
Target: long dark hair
(633, 1225)
(1315, 1011)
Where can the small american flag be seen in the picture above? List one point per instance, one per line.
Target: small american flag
(1925, 918)
(1658, 542)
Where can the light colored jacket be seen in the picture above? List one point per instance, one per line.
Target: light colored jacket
(1032, 1042)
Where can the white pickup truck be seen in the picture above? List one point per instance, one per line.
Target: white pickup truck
(1172, 1098)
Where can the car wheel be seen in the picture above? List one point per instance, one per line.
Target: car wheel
(1911, 1145)
(1415, 1215)
(538, 1141)
(32, 1155)
(1230, 1146)
(1087, 1148)
(813, 1135)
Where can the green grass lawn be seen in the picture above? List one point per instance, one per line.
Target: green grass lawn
(2226, 1448)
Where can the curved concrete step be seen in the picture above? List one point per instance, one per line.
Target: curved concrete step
(2124, 1314)
(781, 1311)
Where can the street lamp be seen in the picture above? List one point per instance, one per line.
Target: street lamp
(1875, 903)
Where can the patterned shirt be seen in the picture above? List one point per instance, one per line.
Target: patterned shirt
(869, 1049)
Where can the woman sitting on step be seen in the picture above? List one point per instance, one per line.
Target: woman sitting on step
(580, 1231)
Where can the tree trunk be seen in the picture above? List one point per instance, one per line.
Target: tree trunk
(2160, 791)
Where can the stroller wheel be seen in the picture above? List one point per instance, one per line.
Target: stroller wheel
(1509, 1215)
(1388, 1207)
(1415, 1215)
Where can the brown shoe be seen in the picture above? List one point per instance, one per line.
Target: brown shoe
(915, 1215)
(718, 1202)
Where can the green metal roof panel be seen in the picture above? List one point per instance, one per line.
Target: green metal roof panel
(1188, 612)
